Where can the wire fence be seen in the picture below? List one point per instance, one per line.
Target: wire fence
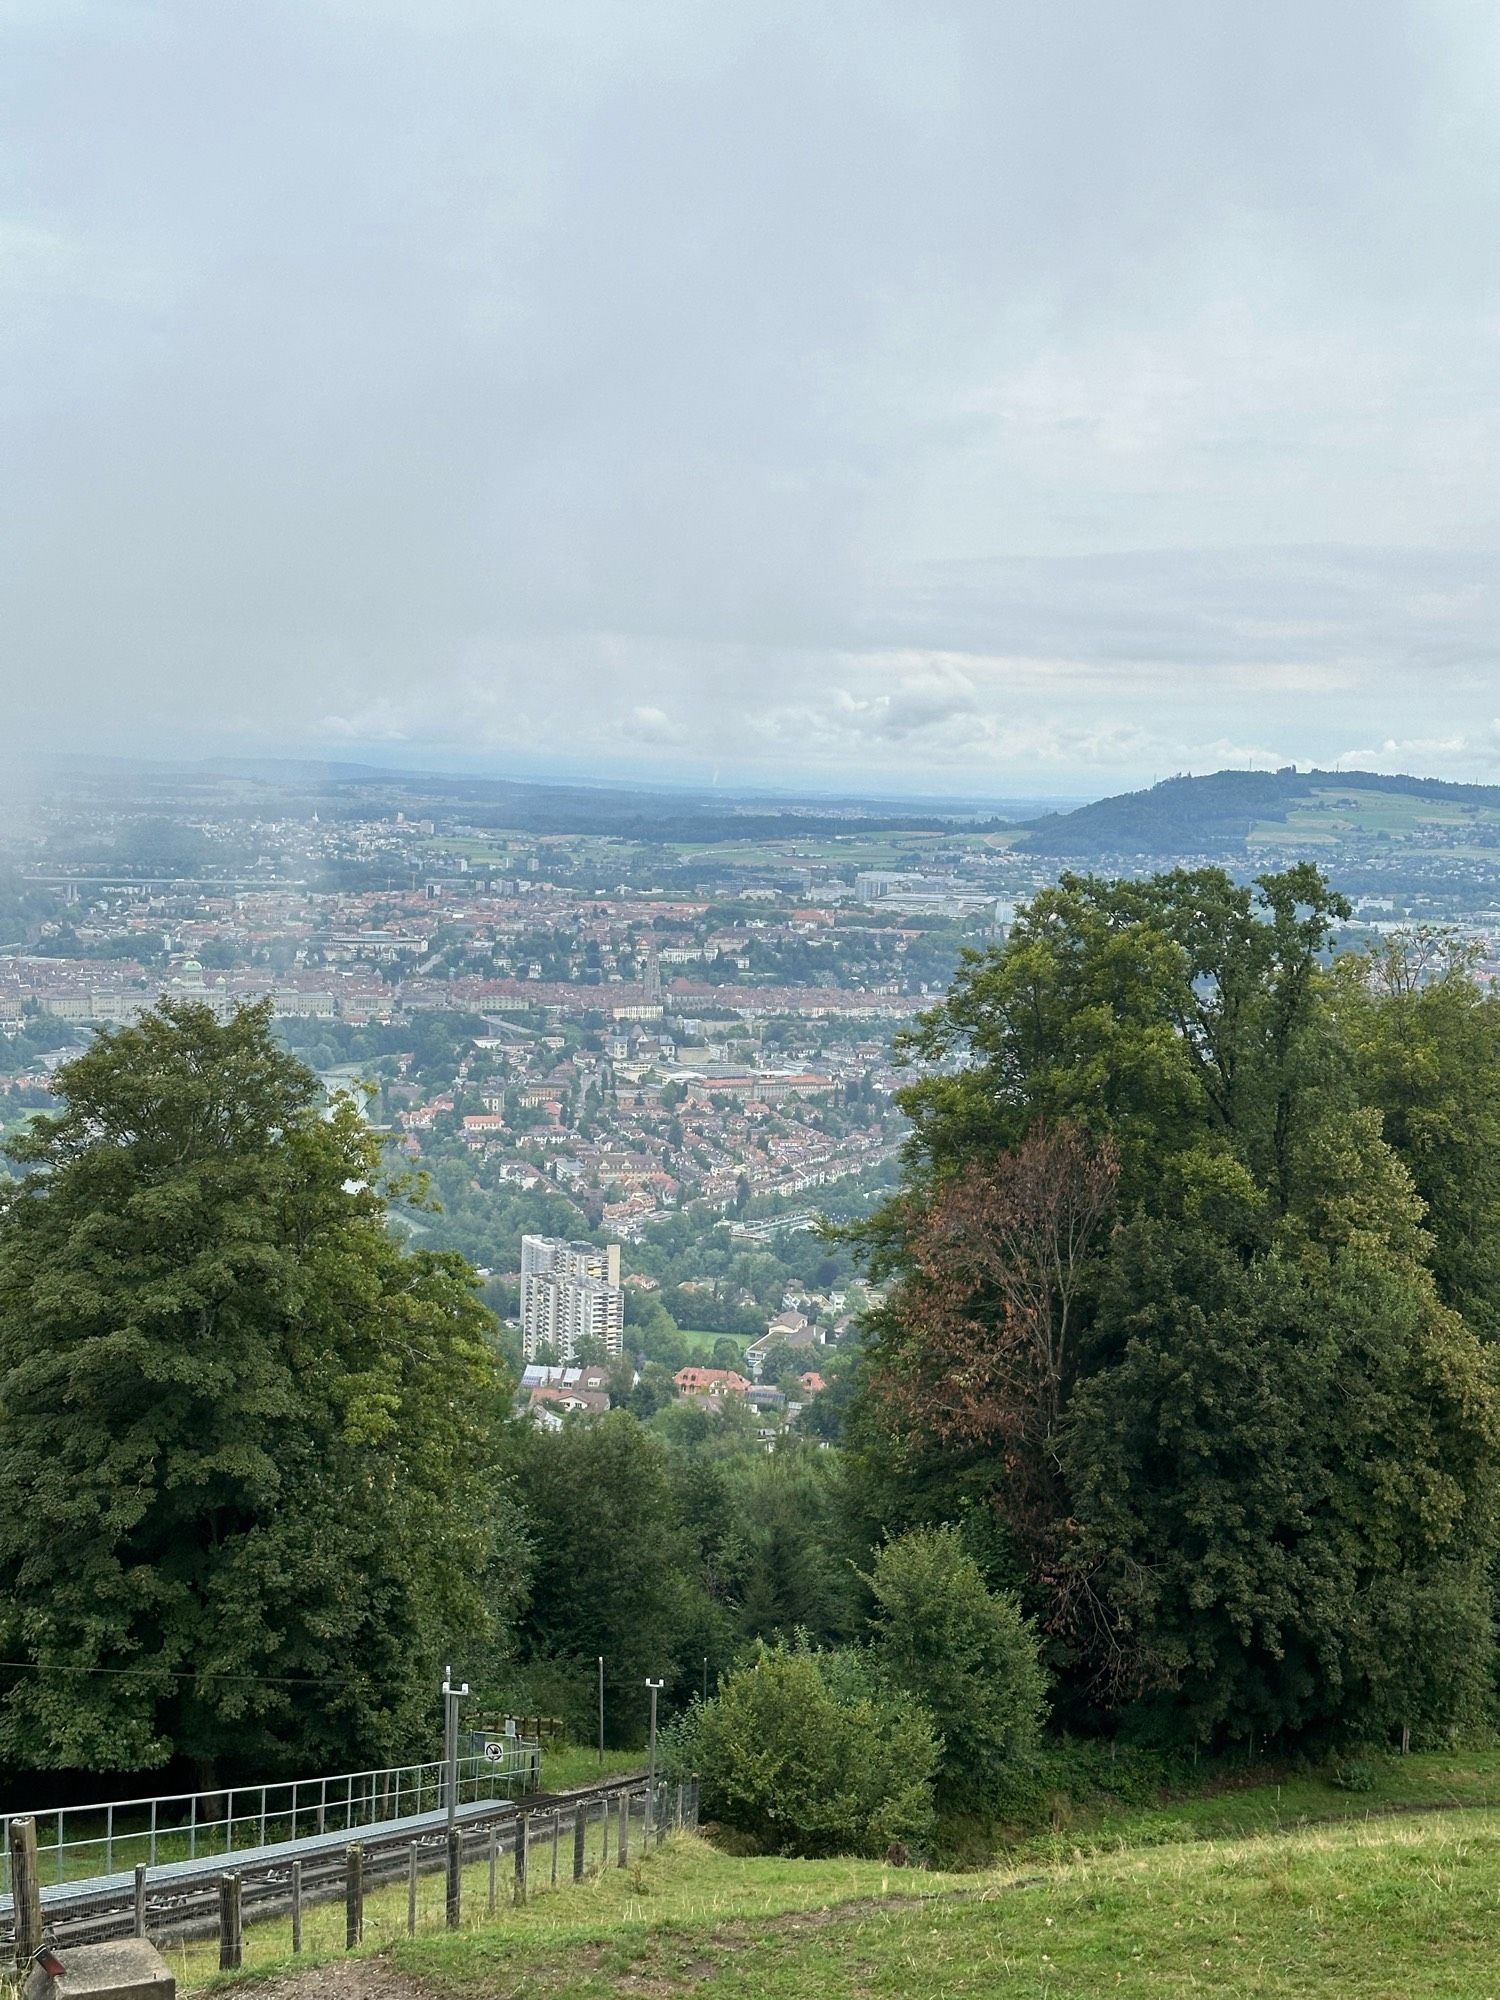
(336, 1893)
(80, 1842)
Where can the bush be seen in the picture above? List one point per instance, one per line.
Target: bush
(966, 1654)
(804, 1753)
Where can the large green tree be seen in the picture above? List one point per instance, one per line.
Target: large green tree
(1172, 1332)
(615, 1572)
(250, 1497)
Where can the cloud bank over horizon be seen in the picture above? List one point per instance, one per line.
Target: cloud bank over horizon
(1036, 400)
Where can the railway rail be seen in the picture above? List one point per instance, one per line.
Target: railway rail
(180, 1900)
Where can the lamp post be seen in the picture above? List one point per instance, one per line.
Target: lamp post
(601, 1711)
(656, 1688)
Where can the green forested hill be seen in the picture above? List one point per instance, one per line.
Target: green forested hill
(1228, 812)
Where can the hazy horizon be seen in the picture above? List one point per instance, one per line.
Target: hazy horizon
(1019, 402)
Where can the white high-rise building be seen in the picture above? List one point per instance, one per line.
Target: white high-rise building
(570, 1292)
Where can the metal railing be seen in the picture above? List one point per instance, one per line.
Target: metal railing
(391, 1882)
(76, 1842)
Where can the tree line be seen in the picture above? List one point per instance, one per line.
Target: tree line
(1177, 1424)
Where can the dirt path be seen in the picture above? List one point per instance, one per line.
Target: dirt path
(343, 1979)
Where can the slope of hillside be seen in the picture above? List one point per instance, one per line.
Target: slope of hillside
(1230, 813)
(1234, 1892)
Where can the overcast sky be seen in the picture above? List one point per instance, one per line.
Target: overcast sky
(1050, 396)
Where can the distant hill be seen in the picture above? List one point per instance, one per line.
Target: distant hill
(1228, 812)
(247, 787)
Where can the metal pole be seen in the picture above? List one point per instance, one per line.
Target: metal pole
(656, 1688)
(452, 1695)
(601, 1712)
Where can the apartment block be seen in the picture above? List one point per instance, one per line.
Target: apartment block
(570, 1292)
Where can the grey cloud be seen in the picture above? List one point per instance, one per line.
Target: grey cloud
(985, 387)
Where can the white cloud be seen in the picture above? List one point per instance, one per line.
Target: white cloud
(645, 724)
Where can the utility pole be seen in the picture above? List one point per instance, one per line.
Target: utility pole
(656, 1688)
(453, 1694)
(601, 1711)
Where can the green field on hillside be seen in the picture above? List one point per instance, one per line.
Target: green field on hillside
(1383, 1901)
(1330, 816)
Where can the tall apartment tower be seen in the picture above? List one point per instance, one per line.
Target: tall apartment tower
(570, 1292)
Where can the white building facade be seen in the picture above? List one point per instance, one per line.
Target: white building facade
(570, 1292)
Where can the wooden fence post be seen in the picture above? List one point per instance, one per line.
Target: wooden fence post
(556, 1837)
(231, 1936)
(296, 1906)
(622, 1850)
(26, 1891)
(580, 1834)
(523, 1842)
(494, 1859)
(354, 1896)
(138, 1919)
(411, 1890)
(455, 1877)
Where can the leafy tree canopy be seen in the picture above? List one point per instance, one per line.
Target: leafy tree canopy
(250, 1496)
(1174, 1334)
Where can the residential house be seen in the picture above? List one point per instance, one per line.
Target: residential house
(710, 1382)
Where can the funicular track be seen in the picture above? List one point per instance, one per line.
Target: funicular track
(182, 1898)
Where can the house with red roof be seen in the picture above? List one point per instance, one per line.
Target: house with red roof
(710, 1382)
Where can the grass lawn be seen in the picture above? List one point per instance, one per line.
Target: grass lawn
(1383, 1905)
(1395, 1909)
(701, 1341)
(578, 1764)
(1235, 1804)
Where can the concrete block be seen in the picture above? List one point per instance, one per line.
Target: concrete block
(126, 1969)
